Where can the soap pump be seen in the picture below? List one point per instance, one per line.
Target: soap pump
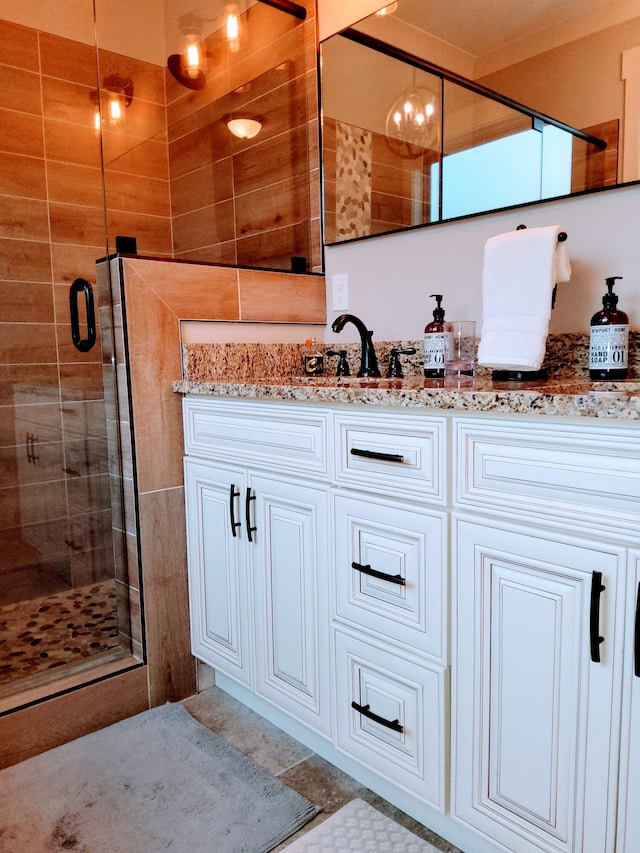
(313, 358)
(609, 338)
(435, 339)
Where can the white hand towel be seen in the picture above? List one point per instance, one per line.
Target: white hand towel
(519, 273)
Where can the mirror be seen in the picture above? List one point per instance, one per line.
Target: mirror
(225, 126)
(549, 78)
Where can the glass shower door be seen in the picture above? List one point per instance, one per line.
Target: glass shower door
(63, 599)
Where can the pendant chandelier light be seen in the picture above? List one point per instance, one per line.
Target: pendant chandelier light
(413, 117)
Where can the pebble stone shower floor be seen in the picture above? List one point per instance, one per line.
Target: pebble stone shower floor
(56, 630)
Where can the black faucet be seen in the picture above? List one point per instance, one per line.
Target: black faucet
(368, 359)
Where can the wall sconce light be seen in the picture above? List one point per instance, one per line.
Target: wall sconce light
(119, 96)
(188, 67)
(244, 128)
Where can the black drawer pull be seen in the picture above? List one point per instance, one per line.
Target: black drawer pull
(636, 637)
(367, 570)
(247, 512)
(366, 711)
(232, 515)
(374, 454)
(594, 619)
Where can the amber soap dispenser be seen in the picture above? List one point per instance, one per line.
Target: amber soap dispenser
(435, 338)
(609, 338)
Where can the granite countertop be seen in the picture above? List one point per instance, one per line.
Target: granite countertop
(555, 396)
(274, 372)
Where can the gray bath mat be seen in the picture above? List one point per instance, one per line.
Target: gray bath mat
(157, 781)
(359, 828)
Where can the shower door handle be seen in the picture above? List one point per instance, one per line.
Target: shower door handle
(80, 343)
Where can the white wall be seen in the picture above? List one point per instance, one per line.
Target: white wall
(390, 278)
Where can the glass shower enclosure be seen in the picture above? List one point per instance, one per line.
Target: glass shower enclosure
(110, 142)
(64, 580)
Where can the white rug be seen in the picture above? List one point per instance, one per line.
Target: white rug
(157, 781)
(359, 828)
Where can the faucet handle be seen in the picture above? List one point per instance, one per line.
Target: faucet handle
(395, 368)
(343, 365)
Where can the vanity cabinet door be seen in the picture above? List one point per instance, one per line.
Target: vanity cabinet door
(289, 570)
(535, 735)
(629, 798)
(218, 594)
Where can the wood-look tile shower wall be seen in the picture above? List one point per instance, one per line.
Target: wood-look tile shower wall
(55, 524)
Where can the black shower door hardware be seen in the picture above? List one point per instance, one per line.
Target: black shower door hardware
(374, 454)
(594, 619)
(367, 570)
(366, 711)
(80, 285)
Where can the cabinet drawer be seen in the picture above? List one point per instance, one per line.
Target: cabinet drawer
(579, 472)
(390, 565)
(399, 730)
(273, 436)
(401, 454)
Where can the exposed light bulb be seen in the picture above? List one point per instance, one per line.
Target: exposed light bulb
(193, 59)
(115, 109)
(232, 27)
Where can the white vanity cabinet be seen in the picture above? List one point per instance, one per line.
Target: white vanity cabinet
(391, 598)
(540, 543)
(444, 605)
(258, 550)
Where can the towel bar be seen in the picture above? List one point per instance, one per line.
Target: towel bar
(562, 236)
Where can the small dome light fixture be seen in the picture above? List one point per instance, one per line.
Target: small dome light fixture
(389, 9)
(244, 128)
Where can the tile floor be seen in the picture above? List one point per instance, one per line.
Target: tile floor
(295, 764)
(57, 630)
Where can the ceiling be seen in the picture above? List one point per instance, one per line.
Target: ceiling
(481, 27)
